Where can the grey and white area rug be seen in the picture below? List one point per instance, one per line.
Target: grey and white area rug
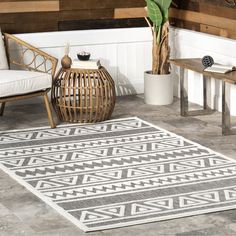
(118, 173)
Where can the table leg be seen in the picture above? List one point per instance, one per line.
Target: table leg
(183, 93)
(205, 105)
(184, 106)
(226, 122)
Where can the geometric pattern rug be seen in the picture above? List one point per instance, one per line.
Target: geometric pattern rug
(118, 173)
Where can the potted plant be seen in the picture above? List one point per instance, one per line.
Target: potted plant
(158, 83)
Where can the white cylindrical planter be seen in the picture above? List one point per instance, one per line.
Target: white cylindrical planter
(158, 89)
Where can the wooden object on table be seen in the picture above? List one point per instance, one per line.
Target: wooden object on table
(83, 95)
(195, 64)
(40, 62)
(66, 62)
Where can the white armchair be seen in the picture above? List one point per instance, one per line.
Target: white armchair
(31, 73)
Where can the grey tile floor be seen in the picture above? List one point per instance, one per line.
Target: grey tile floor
(23, 214)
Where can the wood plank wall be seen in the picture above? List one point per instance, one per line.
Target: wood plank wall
(18, 16)
(216, 17)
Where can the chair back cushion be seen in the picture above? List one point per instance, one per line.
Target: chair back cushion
(3, 57)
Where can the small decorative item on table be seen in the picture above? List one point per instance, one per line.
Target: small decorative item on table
(83, 95)
(66, 60)
(83, 56)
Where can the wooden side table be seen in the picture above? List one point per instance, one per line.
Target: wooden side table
(83, 95)
(195, 64)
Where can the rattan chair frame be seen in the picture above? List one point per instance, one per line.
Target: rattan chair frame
(31, 66)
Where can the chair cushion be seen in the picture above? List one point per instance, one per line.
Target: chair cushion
(16, 82)
(3, 57)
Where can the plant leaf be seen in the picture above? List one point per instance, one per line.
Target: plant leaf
(164, 6)
(154, 13)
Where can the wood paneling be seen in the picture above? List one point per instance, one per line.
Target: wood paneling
(129, 12)
(28, 6)
(83, 14)
(202, 18)
(19, 16)
(216, 17)
(99, 4)
(101, 24)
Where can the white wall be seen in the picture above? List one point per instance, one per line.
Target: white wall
(126, 53)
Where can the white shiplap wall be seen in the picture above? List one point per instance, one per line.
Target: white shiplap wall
(126, 53)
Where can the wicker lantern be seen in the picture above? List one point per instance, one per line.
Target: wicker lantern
(83, 95)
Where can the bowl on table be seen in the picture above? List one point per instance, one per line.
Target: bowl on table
(83, 56)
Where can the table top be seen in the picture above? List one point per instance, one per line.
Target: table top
(195, 64)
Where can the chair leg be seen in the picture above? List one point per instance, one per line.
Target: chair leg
(48, 108)
(2, 108)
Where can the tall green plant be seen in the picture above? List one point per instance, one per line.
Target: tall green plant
(157, 11)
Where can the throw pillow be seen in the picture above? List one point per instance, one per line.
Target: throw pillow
(3, 57)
